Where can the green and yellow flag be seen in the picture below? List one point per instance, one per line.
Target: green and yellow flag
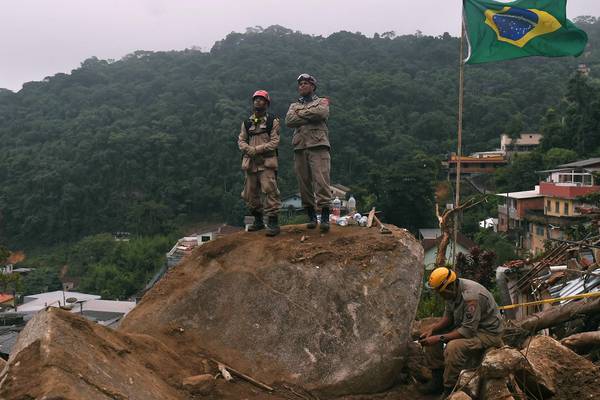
(522, 28)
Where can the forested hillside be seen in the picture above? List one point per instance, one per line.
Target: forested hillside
(149, 141)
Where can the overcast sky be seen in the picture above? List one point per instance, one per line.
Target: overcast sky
(39, 38)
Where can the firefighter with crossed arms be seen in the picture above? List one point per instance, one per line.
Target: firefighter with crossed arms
(312, 159)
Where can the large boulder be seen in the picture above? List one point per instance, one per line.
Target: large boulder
(60, 355)
(328, 313)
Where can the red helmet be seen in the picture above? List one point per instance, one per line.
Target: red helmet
(262, 93)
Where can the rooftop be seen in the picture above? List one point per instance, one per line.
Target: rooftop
(429, 233)
(582, 163)
(37, 302)
(5, 297)
(468, 159)
(89, 304)
(526, 194)
(434, 236)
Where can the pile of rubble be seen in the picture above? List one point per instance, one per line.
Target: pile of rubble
(542, 369)
(568, 272)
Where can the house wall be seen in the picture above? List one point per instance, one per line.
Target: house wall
(517, 209)
(566, 191)
(566, 207)
(523, 205)
(539, 233)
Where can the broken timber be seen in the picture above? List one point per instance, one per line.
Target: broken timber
(239, 374)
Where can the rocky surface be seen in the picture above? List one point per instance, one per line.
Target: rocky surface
(329, 313)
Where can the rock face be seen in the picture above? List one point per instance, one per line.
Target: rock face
(572, 376)
(544, 367)
(60, 355)
(331, 314)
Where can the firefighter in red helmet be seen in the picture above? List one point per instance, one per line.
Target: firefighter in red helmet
(258, 140)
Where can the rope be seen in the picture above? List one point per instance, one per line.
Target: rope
(553, 300)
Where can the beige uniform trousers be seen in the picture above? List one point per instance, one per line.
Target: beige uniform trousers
(259, 185)
(460, 354)
(312, 168)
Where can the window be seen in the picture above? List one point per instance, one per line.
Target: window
(557, 207)
(205, 239)
(539, 230)
(566, 208)
(548, 205)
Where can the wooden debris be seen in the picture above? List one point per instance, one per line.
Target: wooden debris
(582, 341)
(557, 315)
(371, 217)
(226, 375)
(247, 378)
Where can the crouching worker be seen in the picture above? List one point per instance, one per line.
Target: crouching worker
(471, 324)
(258, 141)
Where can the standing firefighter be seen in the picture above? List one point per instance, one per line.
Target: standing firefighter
(312, 161)
(258, 141)
(470, 325)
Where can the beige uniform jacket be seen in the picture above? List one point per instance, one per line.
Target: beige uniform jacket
(265, 145)
(474, 310)
(309, 120)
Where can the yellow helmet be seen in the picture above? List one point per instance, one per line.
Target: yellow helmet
(440, 278)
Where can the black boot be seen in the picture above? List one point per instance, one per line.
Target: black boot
(325, 219)
(435, 385)
(258, 223)
(273, 226)
(312, 218)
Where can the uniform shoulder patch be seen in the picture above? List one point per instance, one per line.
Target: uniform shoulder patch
(470, 308)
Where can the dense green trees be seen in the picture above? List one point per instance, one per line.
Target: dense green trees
(147, 142)
(100, 264)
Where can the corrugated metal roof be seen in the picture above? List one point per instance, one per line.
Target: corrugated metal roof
(582, 163)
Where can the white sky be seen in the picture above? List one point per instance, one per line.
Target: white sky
(39, 38)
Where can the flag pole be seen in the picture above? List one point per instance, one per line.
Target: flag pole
(461, 97)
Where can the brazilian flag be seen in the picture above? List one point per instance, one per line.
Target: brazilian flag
(522, 28)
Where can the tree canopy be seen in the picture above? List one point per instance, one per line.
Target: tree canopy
(146, 142)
